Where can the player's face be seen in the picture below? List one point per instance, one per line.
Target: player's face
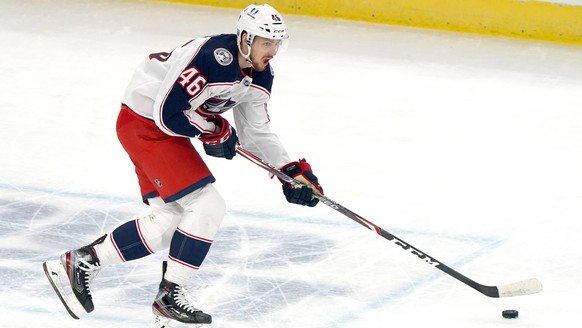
(262, 51)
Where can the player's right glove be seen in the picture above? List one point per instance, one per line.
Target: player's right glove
(222, 143)
(302, 195)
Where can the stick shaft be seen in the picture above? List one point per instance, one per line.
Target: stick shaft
(524, 287)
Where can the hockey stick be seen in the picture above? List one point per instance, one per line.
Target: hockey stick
(519, 288)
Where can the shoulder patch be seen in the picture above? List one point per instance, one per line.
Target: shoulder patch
(223, 56)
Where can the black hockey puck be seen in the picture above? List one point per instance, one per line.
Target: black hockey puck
(510, 314)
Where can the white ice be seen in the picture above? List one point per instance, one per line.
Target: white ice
(469, 147)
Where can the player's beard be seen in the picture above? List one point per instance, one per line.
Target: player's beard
(261, 64)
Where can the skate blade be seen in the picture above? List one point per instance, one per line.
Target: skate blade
(160, 322)
(55, 273)
(163, 322)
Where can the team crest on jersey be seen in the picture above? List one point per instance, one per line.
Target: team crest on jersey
(223, 56)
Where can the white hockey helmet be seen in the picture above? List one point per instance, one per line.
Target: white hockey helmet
(263, 21)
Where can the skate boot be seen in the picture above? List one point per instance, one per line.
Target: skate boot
(171, 304)
(79, 267)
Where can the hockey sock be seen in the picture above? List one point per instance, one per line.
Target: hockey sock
(139, 238)
(204, 211)
(123, 244)
(186, 255)
(107, 253)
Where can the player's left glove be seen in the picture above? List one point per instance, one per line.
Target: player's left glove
(221, 143)
(302, 195)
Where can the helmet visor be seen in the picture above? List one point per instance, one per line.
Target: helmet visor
(280, 45)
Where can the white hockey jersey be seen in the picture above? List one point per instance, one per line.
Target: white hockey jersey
(181, 89)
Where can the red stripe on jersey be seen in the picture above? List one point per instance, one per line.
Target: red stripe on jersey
(258, 87)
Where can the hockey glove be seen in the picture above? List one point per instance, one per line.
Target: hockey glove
(222, 143)
(304, 194)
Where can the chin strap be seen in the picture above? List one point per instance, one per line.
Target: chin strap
(249, 41)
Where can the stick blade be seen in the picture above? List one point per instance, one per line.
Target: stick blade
(520, 288)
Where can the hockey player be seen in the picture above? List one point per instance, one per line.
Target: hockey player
(172, 99)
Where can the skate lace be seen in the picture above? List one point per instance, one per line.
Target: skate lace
(90, 270)
(182, 301)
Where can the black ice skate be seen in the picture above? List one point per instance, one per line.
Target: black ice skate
(171, 304)
(78, 267)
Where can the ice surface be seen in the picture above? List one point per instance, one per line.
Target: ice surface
(468, 147)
